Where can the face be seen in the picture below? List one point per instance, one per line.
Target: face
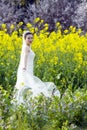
(29, 39)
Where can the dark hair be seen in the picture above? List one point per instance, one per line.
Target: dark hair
(27, 33)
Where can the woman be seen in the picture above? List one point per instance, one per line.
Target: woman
(25, 77)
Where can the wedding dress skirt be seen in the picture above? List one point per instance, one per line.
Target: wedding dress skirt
(26, 80)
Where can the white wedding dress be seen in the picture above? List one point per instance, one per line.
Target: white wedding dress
(26, 80)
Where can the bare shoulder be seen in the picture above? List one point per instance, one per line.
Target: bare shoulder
(26, 49)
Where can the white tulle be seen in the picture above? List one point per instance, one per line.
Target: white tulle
(27, 80)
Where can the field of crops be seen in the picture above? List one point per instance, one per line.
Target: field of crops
(61, 57)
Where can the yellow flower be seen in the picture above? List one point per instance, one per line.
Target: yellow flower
(3, 26)
(20, 31)
(29, 25)
(21, 23)
(46, 25)
(57, 24)
(22, 83)
(66, 31)
(79, 57)
(12, 57)
(36, 29)
(79, 31)
(12, 26)
(41, 21)
(32, 30)
(36, 20)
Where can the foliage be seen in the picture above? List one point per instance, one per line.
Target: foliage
(61, 58)
(44, 113)
(67, 12)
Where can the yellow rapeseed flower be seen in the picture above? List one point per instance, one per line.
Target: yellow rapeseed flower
(42, 21)
(12, 26)
(29, 25)
(36, 20)
(3, 26)
(22, 83)
(57, 24)
(66, 31)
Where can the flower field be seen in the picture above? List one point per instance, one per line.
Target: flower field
(61, 57)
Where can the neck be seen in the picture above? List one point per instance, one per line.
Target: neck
(28, 45)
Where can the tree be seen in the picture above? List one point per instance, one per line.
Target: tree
(67, 12)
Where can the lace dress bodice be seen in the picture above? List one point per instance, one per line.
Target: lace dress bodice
(30, 61)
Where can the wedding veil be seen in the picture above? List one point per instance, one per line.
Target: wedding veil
(23, 37)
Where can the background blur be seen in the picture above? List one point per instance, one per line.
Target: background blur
(67, 12)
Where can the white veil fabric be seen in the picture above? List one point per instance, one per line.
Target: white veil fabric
(23, 37)
(24, 43)
(26, 80)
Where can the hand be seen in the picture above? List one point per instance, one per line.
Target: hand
(24, 68)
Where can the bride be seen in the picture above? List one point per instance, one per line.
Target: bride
(26, 80)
